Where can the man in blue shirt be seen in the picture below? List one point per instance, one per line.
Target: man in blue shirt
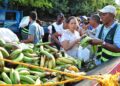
(108, 35)
(35, 31)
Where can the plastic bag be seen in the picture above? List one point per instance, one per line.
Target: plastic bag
(24, 22)
(23, 46)
(83, 53)
(7, 35)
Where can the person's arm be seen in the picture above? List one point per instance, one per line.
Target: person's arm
(66, 41)
(55, 37)
(42, 32)
(108, 46)
(111, 47)
(67, 45)
(29, 40)
(30, 36)
(81, 31)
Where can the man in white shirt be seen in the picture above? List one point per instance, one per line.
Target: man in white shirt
(56, 30)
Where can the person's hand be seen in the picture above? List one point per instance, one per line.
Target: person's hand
(96, 42)
(83, 36)
(85, 27)
(77, 41)
(59, 35)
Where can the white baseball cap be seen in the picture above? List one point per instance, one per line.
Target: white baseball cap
(108, 9)
(85, 17)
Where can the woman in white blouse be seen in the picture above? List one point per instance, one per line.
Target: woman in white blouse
(71, 37)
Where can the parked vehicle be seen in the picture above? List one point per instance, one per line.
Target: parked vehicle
(10, 19)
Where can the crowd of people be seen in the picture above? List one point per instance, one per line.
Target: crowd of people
(66, 33)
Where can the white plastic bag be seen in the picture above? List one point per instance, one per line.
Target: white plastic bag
(7, 35)
(23, 46)
(24, 22)
(83, 53)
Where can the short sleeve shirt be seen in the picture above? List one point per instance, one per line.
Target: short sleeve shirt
(58, 28)
(107, 29)
(68, 35)
(36, 30)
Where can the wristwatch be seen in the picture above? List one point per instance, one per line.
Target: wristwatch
(103, 43)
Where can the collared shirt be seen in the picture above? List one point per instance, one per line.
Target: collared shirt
(107, 29)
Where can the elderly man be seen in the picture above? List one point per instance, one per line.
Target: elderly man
(108, 35)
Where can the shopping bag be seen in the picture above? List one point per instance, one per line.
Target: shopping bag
(83, 53)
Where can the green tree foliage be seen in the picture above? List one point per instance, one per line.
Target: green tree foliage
(34, 3)
(29, 3)
(118, 13)
(76, 7)
(58, 6)
(68, 7)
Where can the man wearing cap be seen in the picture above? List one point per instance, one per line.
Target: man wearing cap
(108, 35)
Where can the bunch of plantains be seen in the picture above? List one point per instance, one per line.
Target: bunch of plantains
(41, 55)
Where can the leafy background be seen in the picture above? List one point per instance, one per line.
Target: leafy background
(50, 8)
